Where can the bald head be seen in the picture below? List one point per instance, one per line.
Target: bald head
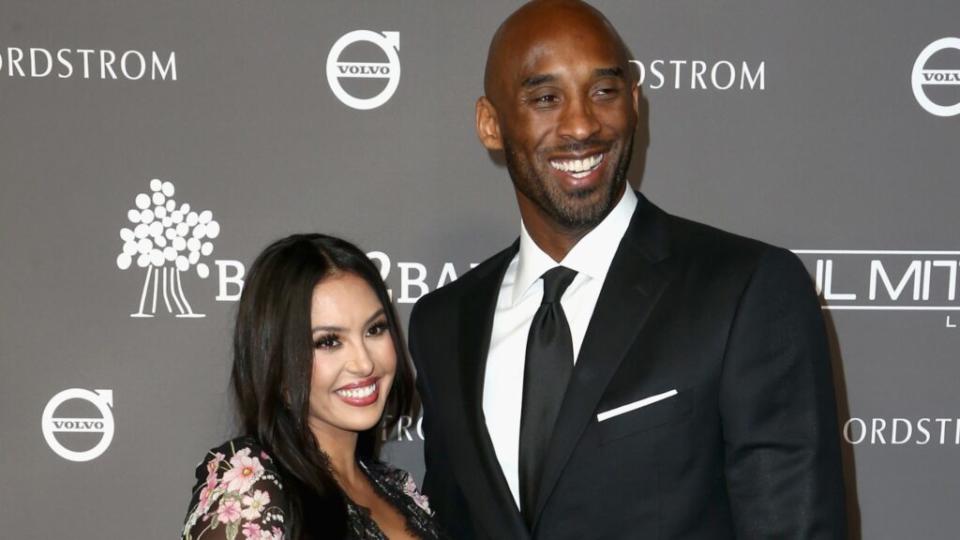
(532, 28)
(561, 103)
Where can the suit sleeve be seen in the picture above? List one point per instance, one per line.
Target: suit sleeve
(439, 486)
(777, 406)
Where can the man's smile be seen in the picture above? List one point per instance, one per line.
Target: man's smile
(578, 168)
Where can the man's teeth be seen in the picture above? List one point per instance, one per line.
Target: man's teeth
(577, 165)
(358, 393)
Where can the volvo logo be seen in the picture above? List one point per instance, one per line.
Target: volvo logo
(389, 43)
(923, 77)
(51, 424)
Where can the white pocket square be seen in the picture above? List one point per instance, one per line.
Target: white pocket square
(606, 415)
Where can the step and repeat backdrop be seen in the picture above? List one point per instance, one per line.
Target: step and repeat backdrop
(150, 149)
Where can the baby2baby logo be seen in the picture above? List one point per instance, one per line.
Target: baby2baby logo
(166, 240)
(169, 241)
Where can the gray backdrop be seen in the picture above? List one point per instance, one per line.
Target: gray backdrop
(794, 122)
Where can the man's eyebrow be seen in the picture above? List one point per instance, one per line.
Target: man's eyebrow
(609, 72)
(536, 80)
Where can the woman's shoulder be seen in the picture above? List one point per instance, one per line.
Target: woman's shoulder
(244, 444)
(244, 451)
(237, 486)
(237, 444)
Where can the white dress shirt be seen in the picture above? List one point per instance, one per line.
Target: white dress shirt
(520, 294)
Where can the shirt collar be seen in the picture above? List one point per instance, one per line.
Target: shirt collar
(590, 256)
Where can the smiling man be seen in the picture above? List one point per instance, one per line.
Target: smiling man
(618, 372)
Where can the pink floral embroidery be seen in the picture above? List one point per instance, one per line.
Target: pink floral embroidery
(229, 511)
(254, 504)
(225, 499)
(211, 483)
(251, 530)
(410, 490)
(205, 498)
(214, 463)
(244, 472)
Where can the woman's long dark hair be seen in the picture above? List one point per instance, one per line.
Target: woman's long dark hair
(273, 364)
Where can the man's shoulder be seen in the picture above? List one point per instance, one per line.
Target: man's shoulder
(717, 259)
(696, 241)
(454, 292)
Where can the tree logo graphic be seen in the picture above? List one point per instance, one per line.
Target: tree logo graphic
(166, 240)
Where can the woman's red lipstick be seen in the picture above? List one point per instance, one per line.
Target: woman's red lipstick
(360, 393)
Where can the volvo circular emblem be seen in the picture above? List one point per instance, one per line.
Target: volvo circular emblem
(51, 424)
(389, 42)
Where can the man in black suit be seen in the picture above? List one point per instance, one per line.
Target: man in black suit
(618, 372)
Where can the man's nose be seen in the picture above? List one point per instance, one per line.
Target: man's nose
(578, 120)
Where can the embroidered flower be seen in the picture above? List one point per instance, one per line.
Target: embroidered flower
(244, 471)
(214, 463)
(410, 490)
(251, 530)
(226, 496)
(204, 503)
(229, 511)
(273, 534)
(255, 504)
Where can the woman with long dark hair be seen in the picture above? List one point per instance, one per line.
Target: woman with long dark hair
(318, 360)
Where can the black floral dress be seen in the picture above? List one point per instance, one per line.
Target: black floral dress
(239, 496)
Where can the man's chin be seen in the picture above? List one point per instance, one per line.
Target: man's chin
(574, 207)
(583, 209)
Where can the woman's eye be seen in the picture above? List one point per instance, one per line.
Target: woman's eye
(377, 329)
(326, 342)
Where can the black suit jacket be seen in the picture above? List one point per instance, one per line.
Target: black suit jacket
(747, 448)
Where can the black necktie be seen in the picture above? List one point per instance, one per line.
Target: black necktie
(545, 375)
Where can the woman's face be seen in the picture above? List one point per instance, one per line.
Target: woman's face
(354, 360)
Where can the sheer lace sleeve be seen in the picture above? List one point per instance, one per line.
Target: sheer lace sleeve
(238, 495)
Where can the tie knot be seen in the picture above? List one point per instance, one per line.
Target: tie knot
(555, 282)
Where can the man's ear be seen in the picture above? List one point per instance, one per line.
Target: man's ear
(488, 125)
(636, 99)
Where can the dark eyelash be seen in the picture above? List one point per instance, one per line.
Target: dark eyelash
(381, 326)
(326, 341)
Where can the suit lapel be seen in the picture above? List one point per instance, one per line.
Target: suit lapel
(502, 518)
(634, 283)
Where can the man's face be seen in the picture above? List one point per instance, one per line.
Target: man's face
(566, 113)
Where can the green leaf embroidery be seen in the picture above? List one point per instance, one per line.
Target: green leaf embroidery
(232, 529)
